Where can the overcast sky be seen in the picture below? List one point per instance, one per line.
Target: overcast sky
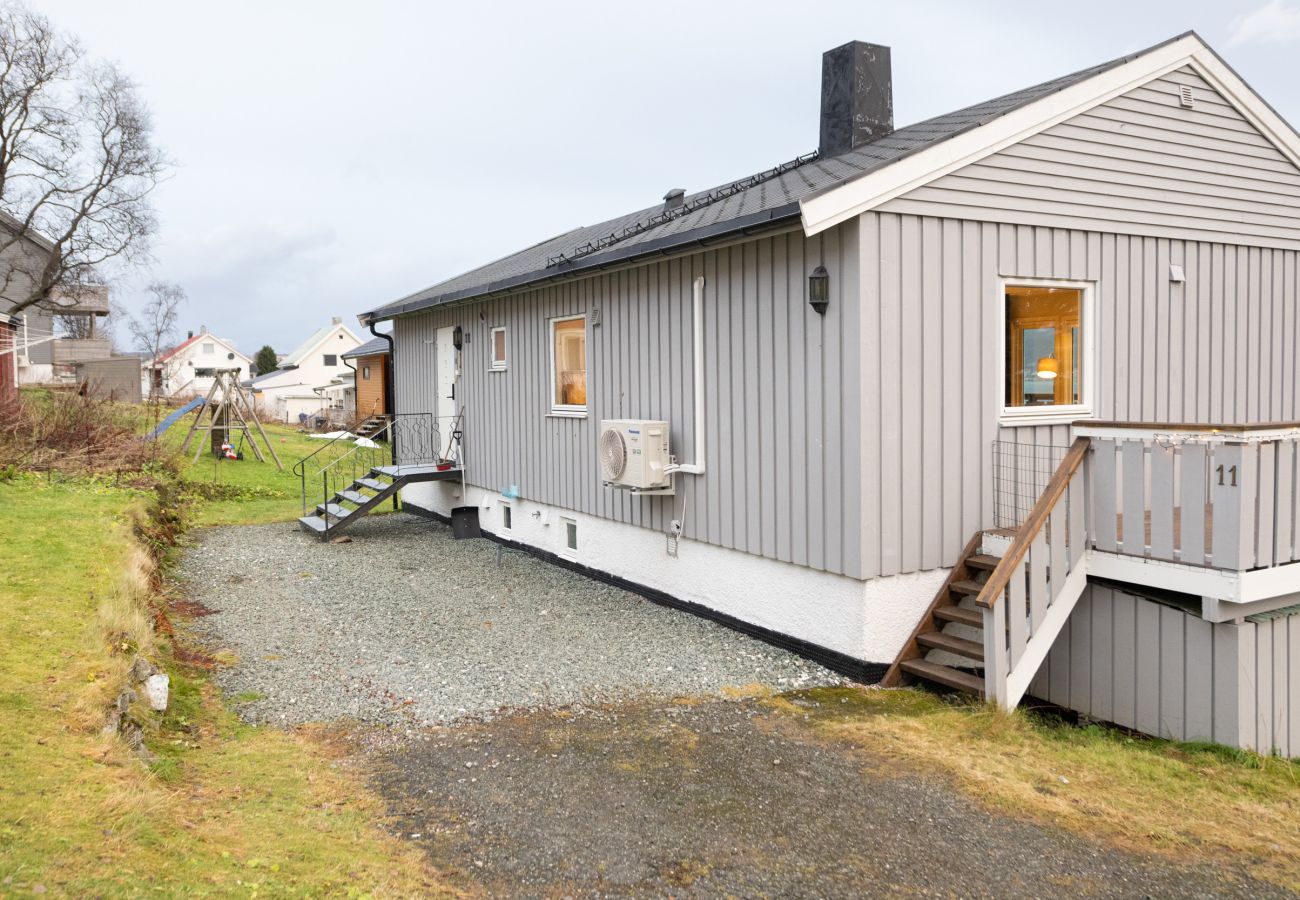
(335, 156)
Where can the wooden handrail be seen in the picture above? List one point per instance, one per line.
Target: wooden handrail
(1227, 428)
(1001, 576)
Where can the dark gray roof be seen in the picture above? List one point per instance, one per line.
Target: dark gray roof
(770, 201)
(369, 348)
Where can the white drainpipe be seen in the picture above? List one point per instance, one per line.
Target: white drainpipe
(697, 468)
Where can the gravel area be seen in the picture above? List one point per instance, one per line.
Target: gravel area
(715, 799)
(405, 625)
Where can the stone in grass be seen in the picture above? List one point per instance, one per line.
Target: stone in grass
(142, 669)
(156, 688)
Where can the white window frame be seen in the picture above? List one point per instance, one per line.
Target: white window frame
(500, 365)
(507, 516)
(209, 347)
(1013, 416)
(565, 550)
(565, 409)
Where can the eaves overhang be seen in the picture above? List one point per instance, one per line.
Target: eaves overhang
(674, 243)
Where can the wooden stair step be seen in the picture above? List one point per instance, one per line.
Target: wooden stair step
(937, 640)
(984, 561)
(944, 675)
(972, 617)
(972, 588)
(313, 523)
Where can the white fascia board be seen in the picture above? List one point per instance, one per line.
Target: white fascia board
(325, 340)
(825, 210)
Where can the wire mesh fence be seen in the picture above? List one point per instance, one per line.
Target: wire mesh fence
(1020, 474)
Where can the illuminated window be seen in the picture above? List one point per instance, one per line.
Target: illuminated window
(498, 349)
(1045, 363)
(569, 365)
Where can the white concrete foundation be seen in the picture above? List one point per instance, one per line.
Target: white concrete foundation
(868, 620)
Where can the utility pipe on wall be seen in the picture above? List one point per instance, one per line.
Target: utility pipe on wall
(697, 468)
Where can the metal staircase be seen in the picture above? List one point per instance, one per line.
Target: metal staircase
(353, 474)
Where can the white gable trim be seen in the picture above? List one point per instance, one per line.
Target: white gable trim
(195, 349)
(831, 207)
(324, 340)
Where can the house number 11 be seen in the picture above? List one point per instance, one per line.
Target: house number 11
(1232, 475)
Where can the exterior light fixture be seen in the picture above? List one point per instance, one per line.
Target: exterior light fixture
(1048, 368)
(819, 290)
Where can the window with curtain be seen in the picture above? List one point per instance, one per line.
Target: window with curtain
(569, 364)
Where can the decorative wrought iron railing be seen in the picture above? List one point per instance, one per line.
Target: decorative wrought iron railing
(407, 439)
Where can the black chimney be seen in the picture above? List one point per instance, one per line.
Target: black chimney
(857, 97)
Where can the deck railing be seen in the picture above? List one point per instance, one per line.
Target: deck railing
(1030, 594)
(1215, 496)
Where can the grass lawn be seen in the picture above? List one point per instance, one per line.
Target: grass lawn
(245, 492)
(225, 809)
(1194, 800)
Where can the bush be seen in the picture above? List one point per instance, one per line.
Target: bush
(60, 431)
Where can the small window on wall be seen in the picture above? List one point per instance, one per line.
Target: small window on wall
(570, 537)
(507, 517)
(498, 349)
(1047, 361)
(331, 359)
(365, 373)
(569, 365)
(209, 348)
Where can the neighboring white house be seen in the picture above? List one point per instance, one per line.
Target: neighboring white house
(299, 389)
(188, 368)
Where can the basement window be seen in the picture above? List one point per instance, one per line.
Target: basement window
(569, 366)
(570, 537)
(507, 517)
(1047, 359)
(498, 349)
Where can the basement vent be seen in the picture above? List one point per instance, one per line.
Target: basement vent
(1185, 98)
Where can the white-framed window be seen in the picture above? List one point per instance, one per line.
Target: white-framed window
(209, 348)
(499, 349)
(365, 373)
(569, 366)
(570, 529)
(507, 516)
(331, 359)
(1048, 359)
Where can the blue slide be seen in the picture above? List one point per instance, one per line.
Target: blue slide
(171, 420)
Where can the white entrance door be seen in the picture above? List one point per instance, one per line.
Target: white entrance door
(445, 408)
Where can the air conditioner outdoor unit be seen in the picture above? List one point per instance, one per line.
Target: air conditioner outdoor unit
(634, 456)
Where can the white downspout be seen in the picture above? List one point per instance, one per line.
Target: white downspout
(697, 468)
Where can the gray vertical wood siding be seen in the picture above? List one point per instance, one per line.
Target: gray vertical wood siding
(1220, 347)
(1138, 164)
(1160, 670)
(783, 394)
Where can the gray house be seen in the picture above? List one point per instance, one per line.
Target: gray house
(1005, 400)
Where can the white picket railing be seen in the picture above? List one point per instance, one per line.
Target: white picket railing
(1219, 497)
(1033, 589)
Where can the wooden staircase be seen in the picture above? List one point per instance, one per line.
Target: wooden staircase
(945, 615)
(352, 503)
(1017, 602)
(370, 426)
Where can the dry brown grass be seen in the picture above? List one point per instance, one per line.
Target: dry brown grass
(1142, 794)
(62, 431)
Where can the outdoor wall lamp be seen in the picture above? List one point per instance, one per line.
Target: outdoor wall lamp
(819, 290)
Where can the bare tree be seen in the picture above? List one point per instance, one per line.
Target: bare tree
(154, 327)
(77, 163)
